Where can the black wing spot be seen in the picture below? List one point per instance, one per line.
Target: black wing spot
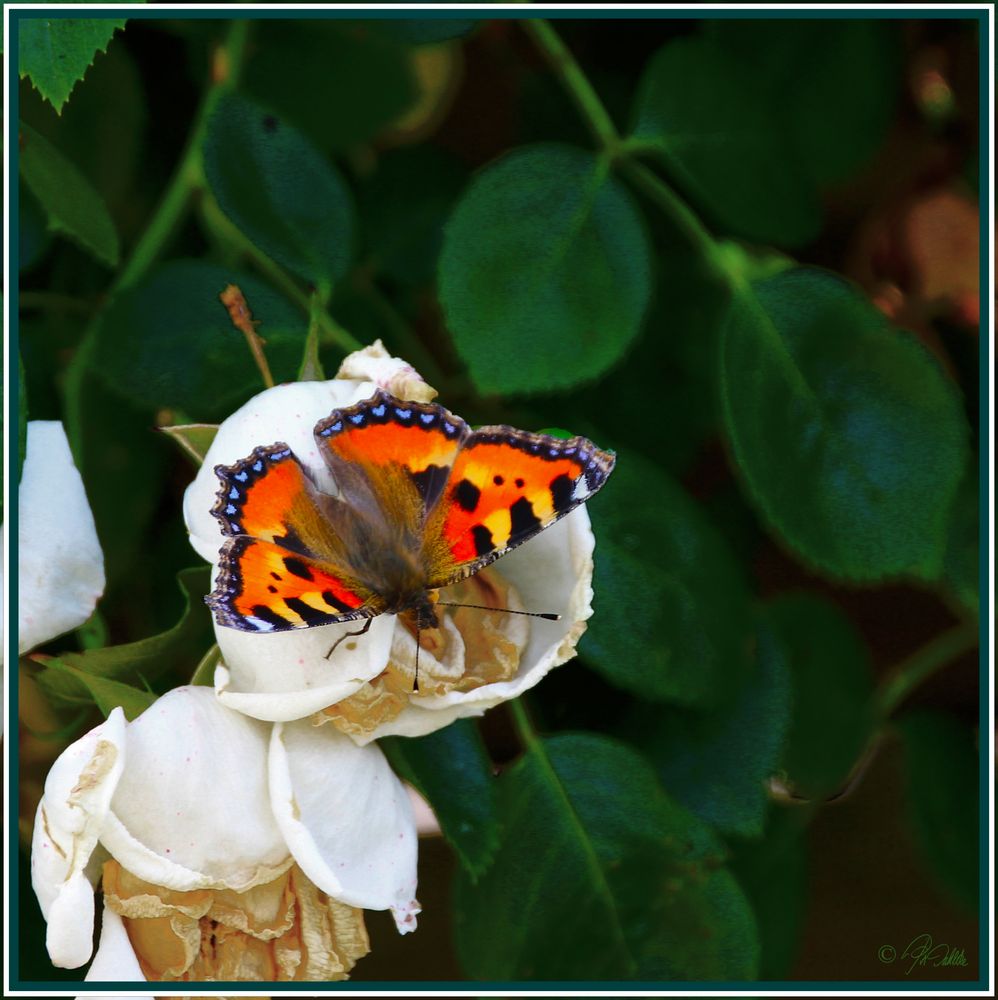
(482, 538)
(467, 494)
(276, 576)
(272, 589)
(266, 614)
(431, 481)
(523, 520)
(291, 541)
(330, 598)
(308, 614)
(297, 567)
(562, 490)
(498, 480)
(519, 483)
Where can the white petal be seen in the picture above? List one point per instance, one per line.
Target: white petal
(70, 928)
(346, 818)
(286, 676)
(115, 961)
(552, 572)
(285, 413)
(375, 364)
(192, 809)
(60, 563)
(74, 806)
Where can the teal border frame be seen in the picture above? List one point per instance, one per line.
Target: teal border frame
(985, 112)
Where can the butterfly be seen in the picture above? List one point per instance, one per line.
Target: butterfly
(424, 502)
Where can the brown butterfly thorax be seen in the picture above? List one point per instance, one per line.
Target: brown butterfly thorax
(423, 502)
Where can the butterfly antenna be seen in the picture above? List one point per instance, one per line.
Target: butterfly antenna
(415, 683)
(507, 611)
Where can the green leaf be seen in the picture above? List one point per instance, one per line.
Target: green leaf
(204, 672)
(56, 53)
(71, 204)
(194, 439)
(106, 694)
(103, 130)
(63, 677)
(773, 872)
(671, 621)
(674, 362)
(716, 763)
(717, 133)
(832, 691)
(850, 438)
(545, 273)
(600, 876)
(943, 794)
(961, 564)
(452, 770)
(189, 356)
(279, 190)
(833, 83)
(328, 60)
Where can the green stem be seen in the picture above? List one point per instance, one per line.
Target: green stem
(686, 221)
(227, 63)
(624, 152)
(524, 727)
(227, 66)
(578, 86)
(922, 664)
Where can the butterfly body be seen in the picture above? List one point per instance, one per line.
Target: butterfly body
(424, 502)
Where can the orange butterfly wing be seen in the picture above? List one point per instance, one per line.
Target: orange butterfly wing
(377, 448)
(284, 565)
(505, 486)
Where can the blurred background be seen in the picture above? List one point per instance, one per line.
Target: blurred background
(845, 832)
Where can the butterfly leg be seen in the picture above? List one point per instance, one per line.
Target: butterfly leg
(347, 635)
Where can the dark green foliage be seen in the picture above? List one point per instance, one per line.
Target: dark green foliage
(831, 691)
(558, 289)
(115, 675)
(189, 355)
(70, 204)
(941, 780)
(720, 137)
(452, 770)
(284, 195)
(366, 76)
(850, 438)
(716, 762)
(672, 608)
(599, 875)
